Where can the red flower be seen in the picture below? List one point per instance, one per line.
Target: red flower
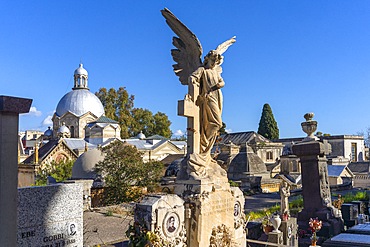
(315, 224)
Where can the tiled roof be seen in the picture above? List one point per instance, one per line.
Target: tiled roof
(242, 138)
(359, 167)
(43, 151)
(104, 119)
(75, 143)
(156, 137)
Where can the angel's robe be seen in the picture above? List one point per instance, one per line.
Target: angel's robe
(210, 105)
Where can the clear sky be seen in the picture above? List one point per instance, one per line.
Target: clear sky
(298, 56)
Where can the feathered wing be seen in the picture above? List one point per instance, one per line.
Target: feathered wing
(223, 47)
(189, 50)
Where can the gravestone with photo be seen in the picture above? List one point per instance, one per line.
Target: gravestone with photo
(164, 216)
(50, 215)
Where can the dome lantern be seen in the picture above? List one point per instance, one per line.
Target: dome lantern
(80, 78)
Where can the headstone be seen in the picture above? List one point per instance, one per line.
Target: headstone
(315, 182)
(10, 108)
(163, 215)
(289, 229)
(349, 214)
(50, 216)
(361, 206)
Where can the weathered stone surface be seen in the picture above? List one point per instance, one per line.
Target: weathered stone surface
(289, 229)
(211, 213)
(315, 183)
(50, 215)
(14, 104)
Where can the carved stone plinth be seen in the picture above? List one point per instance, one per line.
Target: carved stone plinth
(315, 188)
(209, 214)
(275, 237)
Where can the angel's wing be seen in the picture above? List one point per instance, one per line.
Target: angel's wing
(223, 47)
(189, 50)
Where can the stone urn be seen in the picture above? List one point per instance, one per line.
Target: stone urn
(309, 127)
(276, 222)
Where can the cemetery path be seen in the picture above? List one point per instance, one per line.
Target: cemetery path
(99, 228)
(261, 201)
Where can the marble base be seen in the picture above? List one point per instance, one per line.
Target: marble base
(211, 220)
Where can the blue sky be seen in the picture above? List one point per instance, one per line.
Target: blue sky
(298, 56)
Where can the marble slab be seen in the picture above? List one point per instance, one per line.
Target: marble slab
(50, 215)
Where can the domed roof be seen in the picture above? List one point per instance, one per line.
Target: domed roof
(141, 136)
(81, 70)
(48, 132)
(63, 129)
(79, 102)
(84, 166)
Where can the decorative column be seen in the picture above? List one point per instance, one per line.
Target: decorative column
(315, 183)
(10, 108)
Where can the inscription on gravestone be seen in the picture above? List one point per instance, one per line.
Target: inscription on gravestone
(50, 216)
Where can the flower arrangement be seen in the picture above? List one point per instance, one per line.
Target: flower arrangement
(315, 226)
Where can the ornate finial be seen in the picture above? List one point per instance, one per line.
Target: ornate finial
(309, 127)
(309, 116)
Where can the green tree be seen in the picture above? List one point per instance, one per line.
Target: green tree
(61, 171)
(119, 106)
(143, 121)
(162, 125)
(268, 126)
(125, 174)
(222, 129)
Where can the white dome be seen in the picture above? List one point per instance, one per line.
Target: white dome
(84, 167)
(141, 136)
(64, 129)
(79, 102)
(81, 70)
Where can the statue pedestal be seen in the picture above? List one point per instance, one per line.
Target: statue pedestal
(212, 218)
(275, 237)
(213, 213)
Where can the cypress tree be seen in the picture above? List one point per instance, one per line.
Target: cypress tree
(268, 126)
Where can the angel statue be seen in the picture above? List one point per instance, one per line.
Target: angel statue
(204, 98)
